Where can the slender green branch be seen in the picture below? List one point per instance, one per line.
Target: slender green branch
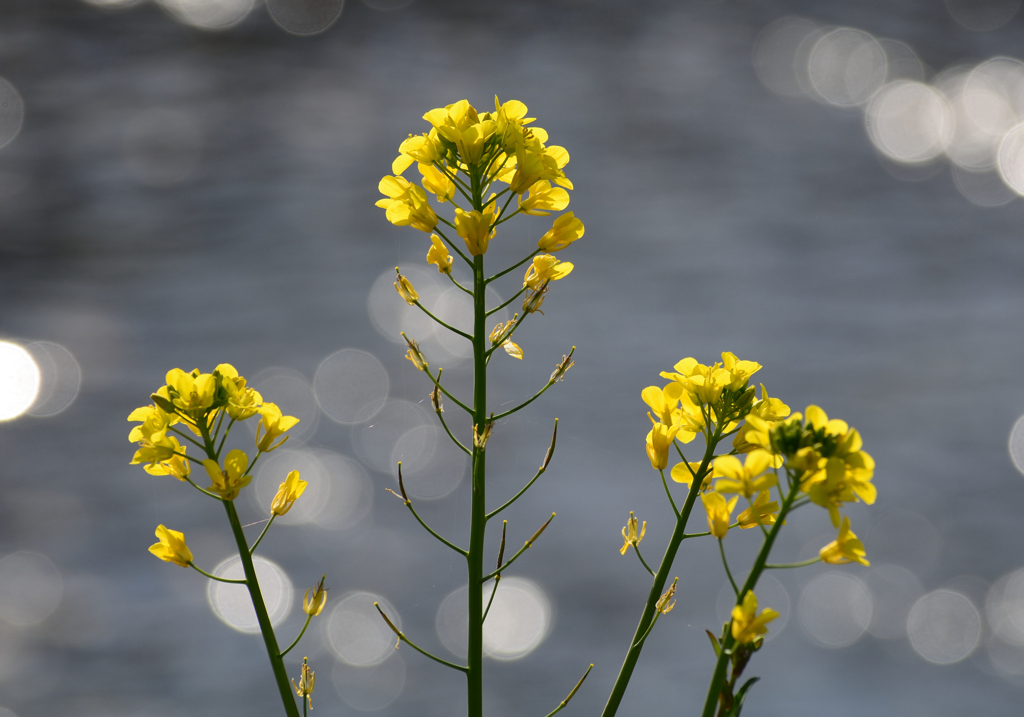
(408, 504)
(564, 702)
(401, 636)
(669, 493)
(202, 490)
(497, 578)
(540, 471)
(458, 403)
(262, 533)
(452, 279)
(644, 562)
(187, 437)
(522, 550)
(444, 424)
(447, 326)
(494, 590)
(214, 577)
(296, 640)
(225, 436)
(781, 566)
(513, 268)
(639, 641)
(527, 402)
(725, 564)
(515, 296)
(452, 244)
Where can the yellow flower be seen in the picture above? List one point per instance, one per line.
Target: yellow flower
(744, 478)
(437, 182)
(719, 511)
(706, 383)
(761, 512)
(232, 479)
(175, 465)
(844, 549)
(287, 494)
(668, 600)
(683, 473)
(191, 392)
(155, 422)
(659, 440)
(741, 371)
(171, 547)
(307, 680)
(424, 148)
(406, 204)
(315, 606)
(272, 424)
(154, 453)
(564, 231)
(546, 268)
(414, 354)
(476, 228)
(534, 164)
(438, 254)
(544, 199)
(673, 407)
(460, 124)
(534, 300)
(769, 411)
(630, 535)
(243, 402)
(500, 334)
(405, 289)
(747, 625)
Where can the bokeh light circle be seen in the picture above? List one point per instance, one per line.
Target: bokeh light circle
(770, 593)
(19, 380)
(1004, 607)
(356, 632)
(518, 622)
(60, 378)
(31, 588)
(982, 15)
(894, 590)
(293, 394)
(835, 609)
(12, 112)
(391, 315)
(208, 14)
(944, 627)
(231, 602)
(982, 189)
(1010, 159)
(351, 386)
(305, 17)
(846, 66)
(432, 466)
(376, 442)
(902, 63)
(371, 688)
(162, 146)
(909, 122)
(350, 498)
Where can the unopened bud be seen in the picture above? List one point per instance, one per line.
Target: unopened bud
(415, 355)
(405, 289)
(564, 365)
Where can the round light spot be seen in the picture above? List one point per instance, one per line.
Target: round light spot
(894, 591)
(455, 308)
(357, 633)
(231, 602)
(1004, 607)
(432, 465)
(30, 588)
(944, 627)
(371, 688)
(391, 315)
(775, 55)
(60, 378)
(19, 380)
(982, 189)
(909, 122)
(376, 442)
(351, 386)
(208, 14)
(305, 17)
(162, 147)
(902, 63)
(980, 15)
(770, 593)
(350, 498)
(272, 470)
(12, 112)
(293, 394)
(846, 67)
(973, 143)
(1010, 159)
(835, 609)
(1007, 659)
(519, 620)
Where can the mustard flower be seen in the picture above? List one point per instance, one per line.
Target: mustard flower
(191, 392)
(307, 681)
(175, 465)
(406, 204)
(719, 512)
(171, 547)
(546, 268)
(539, 164)
(154, 453)
(684, 472)
(769, 410)
(761, 512)
(747, 625)
(460, 124)
(155, 422)
(272, 425)
(659, 440)
(534, 300)
(414, 354)
(837, 484)
(437, 182)
(745, 478)
(500, 334)
(630, 535)
(405, 289)
(315, 606)
(243, 402)
(564, 231)
(844, 549)
(476, 228)
(438, 254)
(674, 407)
(544, 199)
(424, 148)
(228, 482)
(288, 492)
(668, 599)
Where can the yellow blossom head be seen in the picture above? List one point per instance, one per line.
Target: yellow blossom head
(846, 548)
(405, 289)
(315, 605)
(564, 231)
(289, 492)
(630, 534)
(228, 482)
(719, 512)
(438, 255)
(272, 425)
(171, 547)
(659, 440)
(545, 268)
(747, 625)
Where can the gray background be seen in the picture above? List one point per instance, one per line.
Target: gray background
(719, 217)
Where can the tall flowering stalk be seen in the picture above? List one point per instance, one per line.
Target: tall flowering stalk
(200, 409)
(806, 459)
(463, 157)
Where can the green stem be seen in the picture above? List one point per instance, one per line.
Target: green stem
(478, 522)
(525, 403)
(262, 617)
(642, 561)
(262, 533)
(296, 640)
(515, 296)
(540, 471)
(725, 564)
(781, 566)
(451, 328)
(214, 577)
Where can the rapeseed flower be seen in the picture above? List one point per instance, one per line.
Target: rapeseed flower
(228, 482)
(747, 625)
(761, 512)
(405, 289)
(846, 548)
(746, 478)
(171, 547)
(719, 512)
(438, 254)
(272, 425)
(545, 268)
(288, 492)
(564, 231)
(659, 440)
(630, 535)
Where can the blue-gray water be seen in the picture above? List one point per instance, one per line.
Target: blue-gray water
(719, 217)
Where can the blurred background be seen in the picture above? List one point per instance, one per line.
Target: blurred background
(830, 189)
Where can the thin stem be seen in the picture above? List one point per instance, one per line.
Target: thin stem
(644, 562)
(458, 403)
(540, 471)
(188, 438)
(202, 490)
(494, 590)
(401, 636)
(669, 493)
(262, 533)
(781, 566)
(214, 577)
(447, 326)
(216, 431)
(452, 279)
(725, 563)
(564, 702)
(527, 402)
(444, 424)
(296, 640)
(513, 267)
(452, 244)
(408, 504)
(526, 546)
(502, 306)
